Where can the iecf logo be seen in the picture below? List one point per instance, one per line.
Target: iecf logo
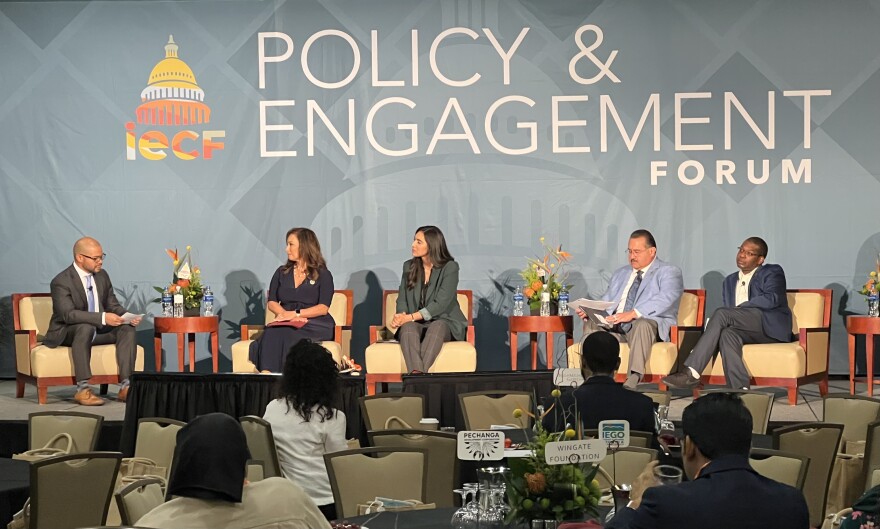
(172, 98)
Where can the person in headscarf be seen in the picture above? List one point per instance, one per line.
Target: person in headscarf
(208, 489)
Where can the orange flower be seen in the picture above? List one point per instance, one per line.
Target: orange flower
(528, 292)
(183, 283)
(172, 254)
(536, 285)
(536, 482)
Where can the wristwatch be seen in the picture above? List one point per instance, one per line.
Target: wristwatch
(296, 313)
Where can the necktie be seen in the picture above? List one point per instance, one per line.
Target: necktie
(631, 299)
(90, 293)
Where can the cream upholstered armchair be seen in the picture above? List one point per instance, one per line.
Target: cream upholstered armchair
(341, 308)
(384, 358)
(664, 355)
(793, 364)
(44, 366)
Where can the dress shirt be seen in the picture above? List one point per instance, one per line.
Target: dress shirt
(83, 276)
(632, 277)
(742, 287)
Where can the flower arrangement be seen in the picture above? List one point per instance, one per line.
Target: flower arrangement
(538, 490)
(550, 270)
(186, 279)
(871, 286)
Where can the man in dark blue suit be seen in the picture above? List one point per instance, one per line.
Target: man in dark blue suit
(755, 311)
(600, 398)
(723, 492)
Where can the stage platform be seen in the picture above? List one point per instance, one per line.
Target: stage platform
(14, 412)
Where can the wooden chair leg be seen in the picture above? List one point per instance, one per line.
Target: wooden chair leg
(42, 393)
(19, 388)
(792, 395)
(823, 386)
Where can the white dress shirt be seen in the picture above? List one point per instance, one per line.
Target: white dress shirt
(742, 287)
(632, 277)
(83, 276)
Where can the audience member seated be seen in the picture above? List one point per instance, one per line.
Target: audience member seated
(209, 489)
(305, 424)
(600, 398)
(724, 491)
(865, 511)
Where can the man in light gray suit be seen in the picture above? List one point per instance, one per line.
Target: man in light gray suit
(85, 312)
(647, 294)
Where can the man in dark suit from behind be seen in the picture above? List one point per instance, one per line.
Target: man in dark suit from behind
(600, 398)
(724, 491)
(755, 311)
(85, 312)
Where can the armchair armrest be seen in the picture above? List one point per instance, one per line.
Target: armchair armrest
(247, 328)
(470, 335)
(676, 331)
(805, 332)
(31, 334)
(337, 335)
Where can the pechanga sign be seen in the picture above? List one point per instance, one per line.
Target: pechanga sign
(589, 65)
(172, 98)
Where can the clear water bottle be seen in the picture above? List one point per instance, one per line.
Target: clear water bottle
(166, 303)
(563, 302)
(208, 301)
(178, 305)
(518, 301)
(545, 301)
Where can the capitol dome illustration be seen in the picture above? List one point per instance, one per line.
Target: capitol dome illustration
(172, 96)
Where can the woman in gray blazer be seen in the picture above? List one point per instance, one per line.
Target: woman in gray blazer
(427, 311)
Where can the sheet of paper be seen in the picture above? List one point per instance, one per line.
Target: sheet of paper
(585, 304)
(128, 317)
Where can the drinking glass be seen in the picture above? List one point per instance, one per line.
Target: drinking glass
(667, 474)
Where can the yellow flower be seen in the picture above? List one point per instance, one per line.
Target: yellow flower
(188, 247)
(556, 393)
(552, 265)
(541, 239)
(569, 433)
(176, 262)
(517, 413)
(873, 273)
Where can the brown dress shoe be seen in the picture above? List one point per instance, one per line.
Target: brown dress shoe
(85, 397)
(122, 395)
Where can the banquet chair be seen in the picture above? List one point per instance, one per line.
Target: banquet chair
(72, 490)
(784, 467)
(853, 412)
(443, 466)
(359, 476)
(817, 441)
(664, 355)
(871, 464)
(138, 498)
(377, 410)
(759, 404)
(625, 465)
(261, 444)
(341, 309)
(384, 358)
(45, 367)
(256, 470)
(661, 398)
(637, 438)
(792, 364)
(156, 439)
(482, 409)
(83, 428)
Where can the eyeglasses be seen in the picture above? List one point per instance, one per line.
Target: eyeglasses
(635, 252)
(746, 252)
(95, 259)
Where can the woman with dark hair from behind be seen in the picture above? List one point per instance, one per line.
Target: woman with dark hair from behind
(304, 422)
(208, 488)
(428, 313)
(300, 293)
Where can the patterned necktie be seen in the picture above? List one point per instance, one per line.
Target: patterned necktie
(90, 293)
(631, 299)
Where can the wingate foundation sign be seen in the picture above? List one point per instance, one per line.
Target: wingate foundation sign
(564, 452)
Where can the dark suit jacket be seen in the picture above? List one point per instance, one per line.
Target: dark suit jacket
(441, 301)
(766, 292)
(601, 399)
(70, 305)
(727, 495)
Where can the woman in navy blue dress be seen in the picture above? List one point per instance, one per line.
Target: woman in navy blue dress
(300, 291)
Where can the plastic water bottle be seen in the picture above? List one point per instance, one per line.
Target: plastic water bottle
(178, 305)
(166, 303)
(563, 302)
(518, 303)
(545, 301)
(208, 301)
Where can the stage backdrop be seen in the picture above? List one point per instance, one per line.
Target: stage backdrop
(153, 125)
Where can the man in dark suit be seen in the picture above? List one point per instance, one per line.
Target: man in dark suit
(85, 312)
(600, 398)
(723, 492)
(755, 311)
(646, 293)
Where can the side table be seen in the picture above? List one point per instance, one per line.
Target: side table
(533, 325)
(186, 328)
(870, 327)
